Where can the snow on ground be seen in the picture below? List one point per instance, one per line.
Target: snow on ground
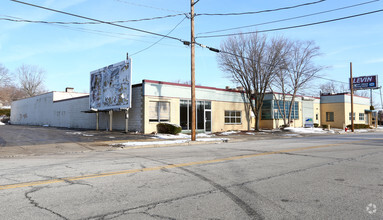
(362, 130)
(128, 144)
(255, 133)
(74, 133)
(87, 135)
(380, 127)
(1, 123)
(229, 132)
(181, 136)
(132, 144)
(305, 130)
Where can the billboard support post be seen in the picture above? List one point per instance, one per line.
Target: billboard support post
(97, 121)
(370, 97)
(126, 120)
(352, 98)
(110, 120)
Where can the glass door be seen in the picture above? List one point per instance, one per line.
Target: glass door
(208, 120)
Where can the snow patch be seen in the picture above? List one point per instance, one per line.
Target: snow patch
(145, 143)
(229, 132)
(305, 130)
(180, 136)
(1, 123)
(87, 135)
(74, 133)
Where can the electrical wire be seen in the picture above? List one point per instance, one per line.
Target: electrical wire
(148, 6)
(291, 18)
(292, 27)
(263, 11)
(104, 22)
(159, 39)
(93, 22)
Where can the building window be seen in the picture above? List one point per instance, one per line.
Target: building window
(203, 115)
(317, 117)
(233, 117)
(349, 116)
(159, 111)
(361, 116)
(329, 116)
(266, 110)
(284, 110)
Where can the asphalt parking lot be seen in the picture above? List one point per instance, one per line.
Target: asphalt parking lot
(17, 140)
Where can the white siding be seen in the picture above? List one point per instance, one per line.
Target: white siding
(183, 92)
(33, 111)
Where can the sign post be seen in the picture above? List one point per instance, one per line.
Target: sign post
(352, 98)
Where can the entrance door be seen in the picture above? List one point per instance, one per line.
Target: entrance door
(208, 120)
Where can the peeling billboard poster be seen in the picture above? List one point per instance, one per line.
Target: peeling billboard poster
(110, 87)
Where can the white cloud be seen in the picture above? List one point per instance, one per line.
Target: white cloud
(377, 60)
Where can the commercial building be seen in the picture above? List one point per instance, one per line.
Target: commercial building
(336, 110)
(154, 102)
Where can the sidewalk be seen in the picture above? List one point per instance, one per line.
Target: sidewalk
(65, 141)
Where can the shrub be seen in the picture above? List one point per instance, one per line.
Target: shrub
(167, 128)
(324, 126)
(359, 126)
(6, 112)
(316, 125)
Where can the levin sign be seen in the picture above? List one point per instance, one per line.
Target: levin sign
(365, 82)
(110, 87)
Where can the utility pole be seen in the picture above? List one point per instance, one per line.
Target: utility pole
(352, 98)
(193, 101)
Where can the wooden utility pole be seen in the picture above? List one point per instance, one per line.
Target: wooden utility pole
(193, 102)
(352, 98)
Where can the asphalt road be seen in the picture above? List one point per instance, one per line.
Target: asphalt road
(320, 177)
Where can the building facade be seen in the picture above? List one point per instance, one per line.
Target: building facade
(155, 101)
(336, 110)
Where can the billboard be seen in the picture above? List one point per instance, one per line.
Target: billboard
(365, 82)
(110, 87)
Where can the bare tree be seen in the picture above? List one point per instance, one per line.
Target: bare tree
(332, 87)
(299, 69)
(31, 79)
(5, 78)
(252, 61)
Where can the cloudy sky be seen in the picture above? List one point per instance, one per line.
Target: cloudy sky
(69, 52)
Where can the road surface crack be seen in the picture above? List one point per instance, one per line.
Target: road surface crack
(37, 205)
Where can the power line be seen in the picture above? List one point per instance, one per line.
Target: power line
(263, 11)
(291, 18)
(92, 22)
(104, 22)
(148, 6)
(233, 54)
(160, 38)
(292, 27)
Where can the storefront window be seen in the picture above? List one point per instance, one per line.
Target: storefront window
(284, 109)
(159, 111)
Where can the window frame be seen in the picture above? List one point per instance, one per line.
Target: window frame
(232, 114)
(361, 117)
(328, 117)
(158, 110)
